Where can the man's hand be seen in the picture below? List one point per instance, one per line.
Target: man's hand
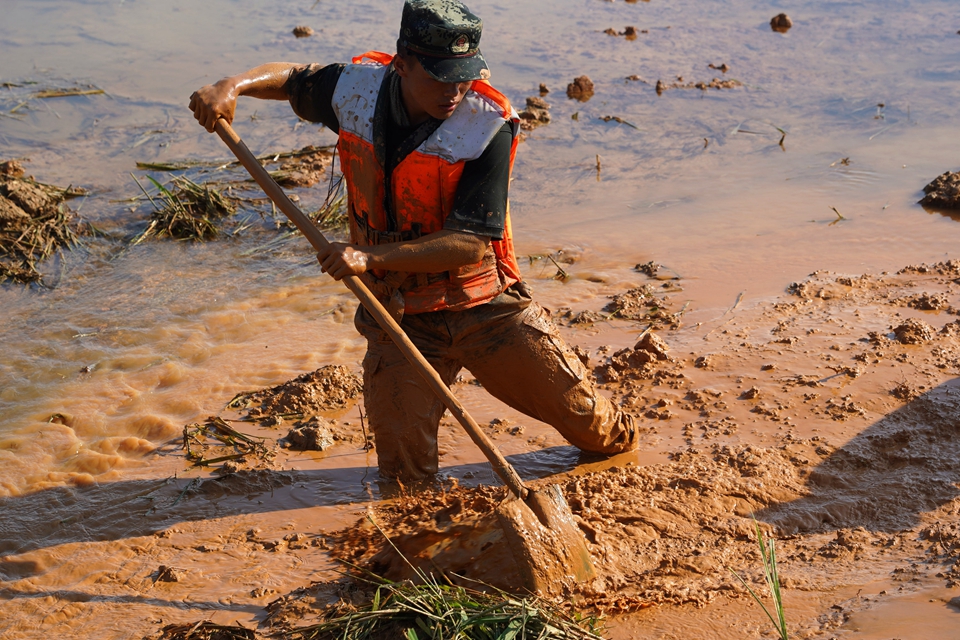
(219, 100)
(214, 101)
(340, 259)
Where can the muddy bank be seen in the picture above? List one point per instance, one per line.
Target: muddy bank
(828, 415)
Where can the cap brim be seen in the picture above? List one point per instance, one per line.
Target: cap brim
(454, 69)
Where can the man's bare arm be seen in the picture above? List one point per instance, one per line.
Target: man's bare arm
(219, 100)
(441, 251)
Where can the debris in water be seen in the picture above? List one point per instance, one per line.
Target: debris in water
(302, 31)
(34, 223)
(11, 168)
(170, 574)
(190, 213)
(781, 23)
(580, 89)
(620, 120)
(715, 83)
(943, 192)
(543, 89)
(196, 444)
(649, 268)
(723, 68)
(536, 114)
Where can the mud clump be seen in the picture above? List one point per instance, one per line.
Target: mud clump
(943, 192)
(302, 31)
(315, 435)
(580, 89)
(536, 114)
(304, 168)
(914, 331)
(170, 574)
(643, 304)
(715, 83)
(34, 223)
(446, 526)
(781, 23)
(328, 388)
(11, 169)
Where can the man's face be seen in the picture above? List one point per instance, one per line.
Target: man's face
(423, 96)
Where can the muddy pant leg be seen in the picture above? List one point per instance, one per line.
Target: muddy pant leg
(402, 410)
(526, 364)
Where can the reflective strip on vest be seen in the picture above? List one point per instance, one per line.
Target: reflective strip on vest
(423, 184)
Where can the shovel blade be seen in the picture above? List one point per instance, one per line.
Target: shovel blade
(548, 546)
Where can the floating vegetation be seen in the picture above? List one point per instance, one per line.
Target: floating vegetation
(189, 214)
(91, 90)
(20, 94)
(34, 223)
(196, 443)
(434, 610)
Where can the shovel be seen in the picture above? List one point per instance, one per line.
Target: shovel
(548, 546)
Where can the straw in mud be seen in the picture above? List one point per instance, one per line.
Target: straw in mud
(195, 443)
(191, 212)
(434, 610)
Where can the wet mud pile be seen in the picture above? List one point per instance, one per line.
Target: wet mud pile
(301, 402)
(829, 416)
(329, 387)
(943, 192)
(35, 223)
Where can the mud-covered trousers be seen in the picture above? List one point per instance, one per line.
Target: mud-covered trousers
(514, 351)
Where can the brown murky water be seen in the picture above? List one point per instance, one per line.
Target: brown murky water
(168, 332)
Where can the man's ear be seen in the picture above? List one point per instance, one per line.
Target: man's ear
(401, 65)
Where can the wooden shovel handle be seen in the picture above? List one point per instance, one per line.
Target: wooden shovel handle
(371, 304)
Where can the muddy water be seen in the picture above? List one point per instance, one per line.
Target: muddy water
(131, 345)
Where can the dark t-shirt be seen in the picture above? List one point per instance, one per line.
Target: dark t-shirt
(480, 203)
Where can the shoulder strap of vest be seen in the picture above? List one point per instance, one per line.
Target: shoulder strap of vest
(485, 89)
(376, 56)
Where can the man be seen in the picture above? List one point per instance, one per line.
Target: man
(426, 148)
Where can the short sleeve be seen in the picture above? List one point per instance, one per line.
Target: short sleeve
(480, 203)
(311, 93)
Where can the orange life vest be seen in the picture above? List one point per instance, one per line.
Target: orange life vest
(422, 186)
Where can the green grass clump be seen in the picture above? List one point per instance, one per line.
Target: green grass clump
(432, 611)
(191, 212)
(768, 555)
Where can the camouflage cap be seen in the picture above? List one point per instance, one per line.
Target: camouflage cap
(445, 37)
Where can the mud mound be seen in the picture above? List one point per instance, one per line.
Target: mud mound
(837, 349)
(535, 114)
(943, 192)
(451, 527)
(329, 387)
(304, 168)
(34, 223)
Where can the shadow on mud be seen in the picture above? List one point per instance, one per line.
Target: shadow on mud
(118, 510)
(905, 464)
